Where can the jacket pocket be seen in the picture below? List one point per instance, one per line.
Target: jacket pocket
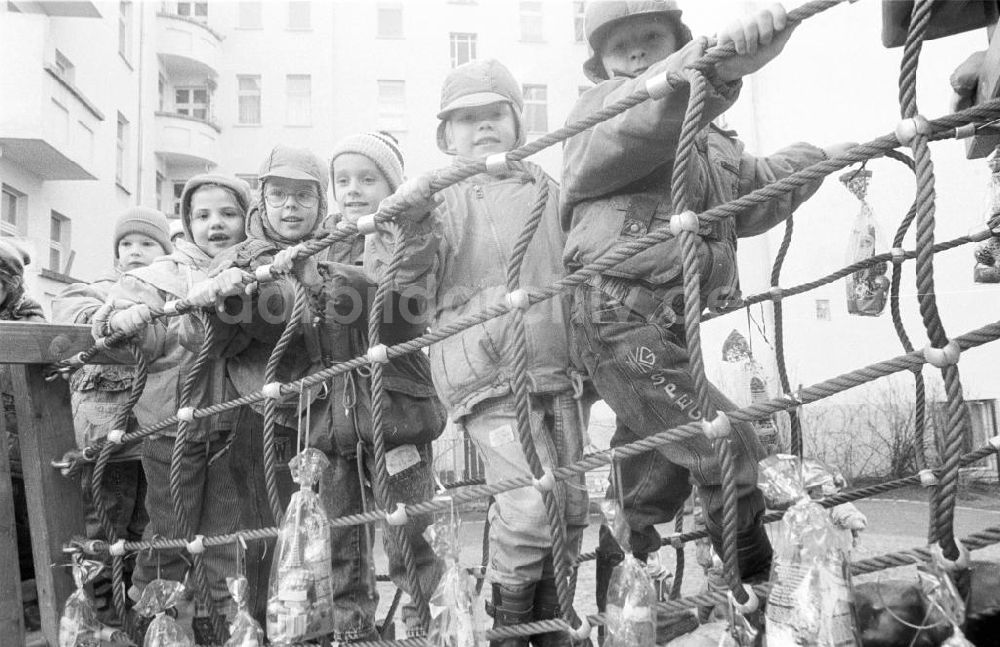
(94, 418)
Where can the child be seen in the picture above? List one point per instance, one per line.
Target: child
(616, 186)
(459, 256)
(15, 304)
(365, 169)
(213, 209)
(99, 391)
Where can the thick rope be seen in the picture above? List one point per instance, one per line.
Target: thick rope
(397, 533)
(182, 523)
(779, 337)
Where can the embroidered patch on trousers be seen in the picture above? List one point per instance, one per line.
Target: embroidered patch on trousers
(400, 458)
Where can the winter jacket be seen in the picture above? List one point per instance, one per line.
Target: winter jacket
(458, 257)
(335, 329)
(97, 391)
(169, 362)
(616, 184)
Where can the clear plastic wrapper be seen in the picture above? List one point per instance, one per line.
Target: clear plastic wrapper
(943, 598)
(158, 597)
(987, 252)
(244, 630)
(79, 626)
(630, 619)
(300, 595)
(868, 288)
(452, 603)
(811, 601)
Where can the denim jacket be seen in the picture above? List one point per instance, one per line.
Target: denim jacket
(616, 184)
(457, 258)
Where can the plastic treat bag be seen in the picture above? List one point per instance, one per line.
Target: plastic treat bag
(943, 597)
(157, 598)
(451, 605)
(811, 601)
(987, 252)
(244, 630)
(300, 596)
(867, 289)
(630, 620)
(79, 626)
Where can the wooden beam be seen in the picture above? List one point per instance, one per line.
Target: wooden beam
(11, 609)
(38, 343)
(55, 506)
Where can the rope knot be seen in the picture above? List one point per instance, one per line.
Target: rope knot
(197, 545)
(366, 224)
(115, 436)
(496, 163)
(117, 549)
(748, 607)
(546, 483)
(907, 129)
(378, 354)
(684, 221)
(960, 563)
(582, 632)
(517, 300)
(718, 428)
(170, 308)
(397, 517)
(185, 414)
(941, 357)
(263, 274)
(928, 478)
(776, 292)
(966, 131)
(271, 390)
(898, 255)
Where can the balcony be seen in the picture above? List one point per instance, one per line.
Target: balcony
(183, 140)
(48, 125)
(58, 9)
(187, 46)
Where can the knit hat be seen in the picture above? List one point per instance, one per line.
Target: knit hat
(601, 16)
(381, 148)
(145, 221)
(295, 164)
(236, 186)
(479, 83)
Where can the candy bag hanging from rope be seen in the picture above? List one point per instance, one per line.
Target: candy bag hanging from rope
(79, 626)
(157, 598)
(244, 630)
(944, 598)
(987, 252)
(300, 595)
(630, 620)
(811, 600)
(451, 605)
(867, 289)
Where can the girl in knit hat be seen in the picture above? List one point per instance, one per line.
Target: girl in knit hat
(365, 169)
(213, 209)
(15, 305)
(99, 391)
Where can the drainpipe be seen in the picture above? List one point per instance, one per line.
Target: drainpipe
(139, 120)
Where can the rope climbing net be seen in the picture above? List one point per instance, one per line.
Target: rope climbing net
(913, 131)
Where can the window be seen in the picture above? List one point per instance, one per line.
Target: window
(463, 48)
(161, 88)
(251, 179)
(59, 242)
(65, 68)
(392, 105)
(121, 149)
(13, 206)
(178, 191)
(298, 97)
(196, 10)
(249, 99)
(125, 29)
(536, 109)
(390, 20)
(298, 14)
(823, 310)
(192, 102)
(249, 16)
(579, 30)
(531, 21)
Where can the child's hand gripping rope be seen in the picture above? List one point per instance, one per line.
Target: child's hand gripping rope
(757, 38)
(413, 200)
(122, 316)
(230, 282)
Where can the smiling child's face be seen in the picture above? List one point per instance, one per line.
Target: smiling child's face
(481, 131)
(358, 185)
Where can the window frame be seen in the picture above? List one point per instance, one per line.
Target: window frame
(579, 24)
(307, 4)
(192, 106)
(307, 112)
(535, 104)
(126, 13)
(458, 38)
(528, 11)
(20, 199)
(242, 94)
(60, 249)
(122, 138)
(381, 7)
(392, 113)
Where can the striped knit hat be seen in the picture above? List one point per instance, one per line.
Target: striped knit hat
(145, 221)
(381, 148)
